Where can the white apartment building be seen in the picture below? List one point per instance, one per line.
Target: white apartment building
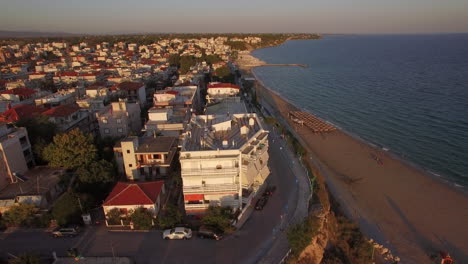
(119, 119)
(224, 161)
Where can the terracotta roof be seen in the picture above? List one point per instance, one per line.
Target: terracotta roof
(130, 85)
(61, 111)
(20, 91)
(66, 74)
(20, 112)
(223, 85)
(140, 193)
(172, 92)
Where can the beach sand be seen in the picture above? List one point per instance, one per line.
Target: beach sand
(394, 203)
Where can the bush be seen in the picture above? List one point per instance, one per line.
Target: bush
(20, 215)
(142, 219)
(113, 216)
(67, 210)
(219, 218)
(170, 217)
(300, 235)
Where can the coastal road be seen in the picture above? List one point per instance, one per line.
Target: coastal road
(247, 245)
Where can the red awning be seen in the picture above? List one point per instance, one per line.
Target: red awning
(194, 197)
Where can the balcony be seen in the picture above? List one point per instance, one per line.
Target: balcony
(197, 206)
(211, 188)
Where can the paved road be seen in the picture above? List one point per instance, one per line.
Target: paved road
(246, 246)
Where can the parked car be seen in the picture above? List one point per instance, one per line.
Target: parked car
(177, 233)
(269, 190)
(65, 232)
(208, 232)
(261, 203)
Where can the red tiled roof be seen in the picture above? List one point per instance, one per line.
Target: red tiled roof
(130, 85)
(61, 111)
(134, 193)
(223, 85)
(20, 112)
(172, 92)
(66, 74)
(20, 91)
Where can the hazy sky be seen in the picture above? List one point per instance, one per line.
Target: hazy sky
(321, 16)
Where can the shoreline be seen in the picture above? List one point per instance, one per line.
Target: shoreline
(385, 202)
(395, 155)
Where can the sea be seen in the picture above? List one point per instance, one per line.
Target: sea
(407, 94)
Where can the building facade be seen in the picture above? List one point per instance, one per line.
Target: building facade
(16, 155)
(224, 161)
(145, 158)
(119, 119)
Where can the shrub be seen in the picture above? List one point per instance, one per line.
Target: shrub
(300, 235)
(113, 216)
(142, 219)
(66, 210)
(20, 215)
(170, 217)
(219, 218)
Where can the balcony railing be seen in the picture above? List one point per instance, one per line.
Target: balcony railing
(211, 188)
(209, 172)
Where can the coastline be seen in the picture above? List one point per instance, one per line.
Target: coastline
(390, 202)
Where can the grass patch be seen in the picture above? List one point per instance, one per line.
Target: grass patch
(300, 235)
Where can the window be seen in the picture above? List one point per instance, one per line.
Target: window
(119, 121)
(130, 165)
(106, 131)
(157, 156)
(219, 166)
(120, 130)
(104, 120)
(128, 151)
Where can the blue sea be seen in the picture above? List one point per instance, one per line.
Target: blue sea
(405, 93)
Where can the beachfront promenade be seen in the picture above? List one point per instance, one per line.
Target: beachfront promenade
(395, 204)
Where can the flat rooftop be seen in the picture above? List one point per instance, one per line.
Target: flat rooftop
(38, 181)
(228, 105)
(208, 132)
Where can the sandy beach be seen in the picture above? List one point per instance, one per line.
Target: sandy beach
(394, 203)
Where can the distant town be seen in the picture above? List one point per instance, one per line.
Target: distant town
(103, 132)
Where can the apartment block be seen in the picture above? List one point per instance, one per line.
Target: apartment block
(119, 119)
(224, 161)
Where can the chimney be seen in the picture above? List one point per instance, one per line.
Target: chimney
(225, 143)
(244, 130)
(251, 121)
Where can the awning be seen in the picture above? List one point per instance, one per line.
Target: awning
(194, 197)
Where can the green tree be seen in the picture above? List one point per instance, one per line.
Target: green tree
(40, 132)
(224, 74)
(96, 172)
(113, 216)
(300, 235)
(174, 60)
(186, 62)
(70, 150)
(170, 217)
(142, 219)
(19, 215)
(219, 218)
(66, 209)
(26, 259)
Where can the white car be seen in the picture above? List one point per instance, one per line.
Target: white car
(177, 233)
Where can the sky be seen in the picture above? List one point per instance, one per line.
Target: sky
(216, 16)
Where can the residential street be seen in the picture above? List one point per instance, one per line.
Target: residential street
(245, 246)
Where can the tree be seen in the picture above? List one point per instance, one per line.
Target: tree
(70, 150)
(20, 214)
(26, 259)
(142, 219)
(174, 60)
(186, 62)
(219, 218)
(170, 217)
(66, 209)
(96, 172)
(113, 216)
(40, 132)
(224, 74)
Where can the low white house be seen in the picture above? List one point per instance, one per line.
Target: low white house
(222, 90)
(129, 196)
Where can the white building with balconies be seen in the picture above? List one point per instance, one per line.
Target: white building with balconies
(224, 161)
